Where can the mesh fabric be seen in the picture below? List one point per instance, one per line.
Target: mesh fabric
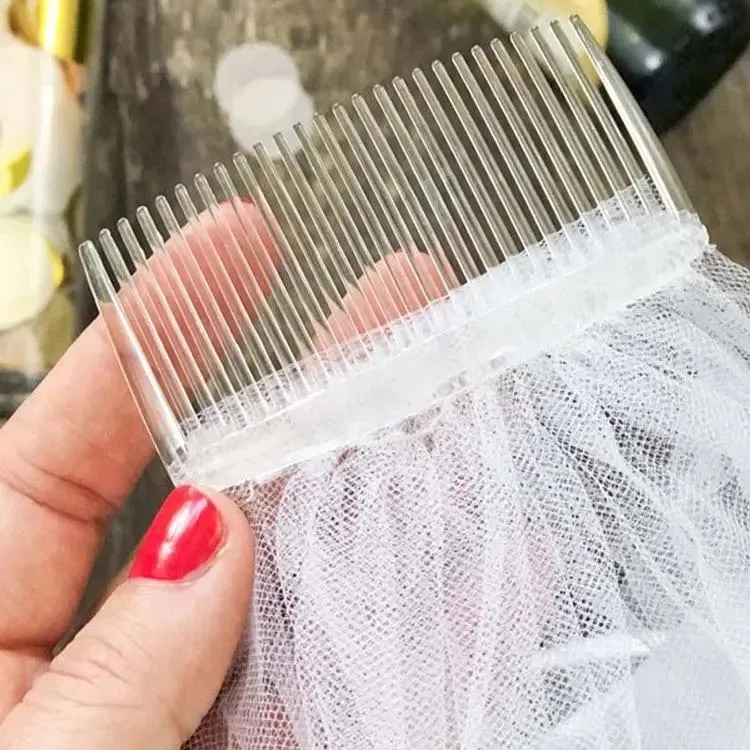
(554, 554)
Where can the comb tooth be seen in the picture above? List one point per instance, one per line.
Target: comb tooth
(423, 180)
(617, 143)
(579, 156)
(504, 244)
(301, 240)
(646, 143)
(352, 236)
(297, 291)
(157, 323)
(158, 415)
(500, 186)
(115, 259)
(302, 243)
(269, 275)
(189, 371)
(409, 199)
(560, 210)
(535, 206)
(288, 324)
(560, 163)
(451, 186)
(342, 268)
(97, 277)
(332, 293)
(173, 283)
(200, 304)
(236, 368)
(381, 195)
(233, 277)
(150, 343)
(581, 117)
(470, 168)
(392, 293)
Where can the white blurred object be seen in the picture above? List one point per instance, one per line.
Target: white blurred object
(30, 270)
(38, 117)
(258, 87)
(244, 64)
(268, 106)
(521, 15)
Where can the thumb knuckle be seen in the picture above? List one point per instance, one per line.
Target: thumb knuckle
(113, 671)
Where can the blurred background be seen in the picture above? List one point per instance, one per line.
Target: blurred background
(104, 104)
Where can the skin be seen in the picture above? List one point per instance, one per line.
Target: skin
(68, 459)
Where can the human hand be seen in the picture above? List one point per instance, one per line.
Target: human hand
(145, 670)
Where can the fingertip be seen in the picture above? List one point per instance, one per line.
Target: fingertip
(236, 521)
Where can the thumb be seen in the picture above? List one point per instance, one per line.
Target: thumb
(147, 668)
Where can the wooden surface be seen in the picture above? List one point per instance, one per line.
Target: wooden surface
(155, 121)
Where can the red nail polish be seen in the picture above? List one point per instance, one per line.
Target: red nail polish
(186, 533)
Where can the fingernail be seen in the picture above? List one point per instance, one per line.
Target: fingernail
(185, 535)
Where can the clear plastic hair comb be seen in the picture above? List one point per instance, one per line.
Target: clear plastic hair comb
(465, 356)
(472, 165)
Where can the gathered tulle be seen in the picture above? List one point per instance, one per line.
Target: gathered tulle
(556, 554)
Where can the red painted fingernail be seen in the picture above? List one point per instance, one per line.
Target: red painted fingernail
(185, 535)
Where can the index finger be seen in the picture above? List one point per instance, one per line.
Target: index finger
(68, 459)
(78, 444)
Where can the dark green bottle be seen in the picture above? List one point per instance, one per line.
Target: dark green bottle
(671, 53)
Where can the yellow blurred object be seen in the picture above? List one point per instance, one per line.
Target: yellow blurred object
(14, 169)
(62, 28)
(592, 12)
(20, 21)
(521, 15)
(58, 267)
(32, 269)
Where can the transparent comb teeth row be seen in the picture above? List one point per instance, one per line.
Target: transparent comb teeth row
(464, 168)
